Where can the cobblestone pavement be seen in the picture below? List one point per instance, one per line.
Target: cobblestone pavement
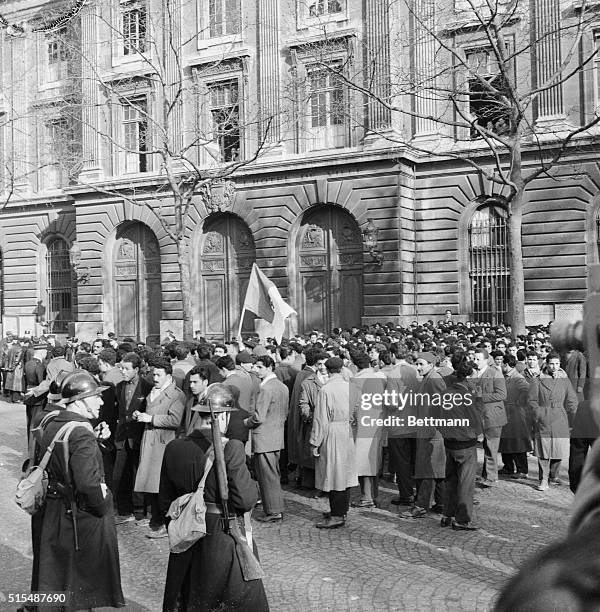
(377, 562)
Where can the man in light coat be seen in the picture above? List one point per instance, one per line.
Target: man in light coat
(551, 399)
(164, 410)
(268, 426)
(332, 440)
(490, 393)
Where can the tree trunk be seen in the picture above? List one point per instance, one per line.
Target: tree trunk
(517, 281)
(186, 290)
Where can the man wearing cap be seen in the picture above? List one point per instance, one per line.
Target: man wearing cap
(164, 409)
(78, 508)
(267, 425)
(333, 446)
(208, 576)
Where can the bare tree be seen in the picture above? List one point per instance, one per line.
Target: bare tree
(184, 159)
(483, 77)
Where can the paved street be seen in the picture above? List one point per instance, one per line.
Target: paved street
(378, 562)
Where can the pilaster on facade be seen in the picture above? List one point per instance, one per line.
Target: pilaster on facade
(20, 125)
(268, 61)
(377, 64)
(90, 94)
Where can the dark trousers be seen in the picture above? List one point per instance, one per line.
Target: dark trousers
(461, 467)
(283, 457)
(578, 452)
(127, 461)
(427, 486)
(266, 468)
(339, 502)
(157, 518)
(515, 462)
(402, 459)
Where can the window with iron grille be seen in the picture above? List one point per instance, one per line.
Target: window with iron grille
(325, 7)
(59, 286)
(225, 113)
(57, 57)
(489, 264)
(135, 134)
(223, 17)
(328, 108)
(133, 26)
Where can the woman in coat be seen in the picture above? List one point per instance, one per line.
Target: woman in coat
(551, 397)
(88, 573)
(164, 411)
(208, 576)
(515, 441)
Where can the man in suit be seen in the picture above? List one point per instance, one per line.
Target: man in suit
(131, 397)
(268, 426)
(490, 393)
(240, 379)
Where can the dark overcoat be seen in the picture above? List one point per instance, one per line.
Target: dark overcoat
(517, 433)
(207, 576)
(91, 575)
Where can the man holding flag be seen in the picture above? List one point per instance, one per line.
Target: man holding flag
(264, 300)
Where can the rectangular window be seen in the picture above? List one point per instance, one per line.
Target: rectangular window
(133, 26)
(328, 108)
(225, 114)
(486, 104)
(325, 7)
(57, 57)
(597, 69)
(56, 153)
(223, 17)
(135, 135)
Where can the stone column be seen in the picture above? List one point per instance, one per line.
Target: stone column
(548, 57)
(174, 80)
(423, 51)
(22, 124)
(268, 61)
(90, 132)
(377, 25)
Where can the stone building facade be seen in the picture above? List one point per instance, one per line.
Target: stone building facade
(88, 250)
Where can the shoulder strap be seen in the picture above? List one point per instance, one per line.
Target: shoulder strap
(68, 428)
(207, 467)
(32, 440)
(59, 434)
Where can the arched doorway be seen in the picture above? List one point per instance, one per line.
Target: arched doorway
(227, 254)
(489, 266)
(137, 291)
(330, 265)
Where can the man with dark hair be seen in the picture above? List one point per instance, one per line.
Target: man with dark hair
(267, 424)
(131, 395)
(238, 378)
(204, 359)
(182, 364)
(490, 394)
(109, 373)
(333, 445)
(551, 399)
(164, 409)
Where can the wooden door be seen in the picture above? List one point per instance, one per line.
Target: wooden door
(330, 269)
(138, 295)
(228, 253)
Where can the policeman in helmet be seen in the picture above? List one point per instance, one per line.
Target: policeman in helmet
(209, 575)
(82, 394)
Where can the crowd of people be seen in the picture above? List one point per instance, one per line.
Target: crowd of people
(297, 417)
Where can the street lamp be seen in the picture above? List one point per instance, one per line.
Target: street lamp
(370, 234)
(82, 273)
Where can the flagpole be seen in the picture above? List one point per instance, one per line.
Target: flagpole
(239, 334)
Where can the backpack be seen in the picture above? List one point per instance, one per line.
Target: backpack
(188, 514)
(31, 490)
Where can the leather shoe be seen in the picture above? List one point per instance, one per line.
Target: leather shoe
(519, 476)
(402, 501)
(270, 518)
(333, 522)
(363, 503)
(446, 521)
(463, 526)
(161, 532)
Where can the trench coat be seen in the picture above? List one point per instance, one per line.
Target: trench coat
(294, 420)
(430, 455)
(309, 390)
(332, 434)
(91, 575)
(208, 576)
(369, 437)
(550, 399)
(167, 412)
(516, 434)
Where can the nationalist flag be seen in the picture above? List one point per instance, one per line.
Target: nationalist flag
(264, 300)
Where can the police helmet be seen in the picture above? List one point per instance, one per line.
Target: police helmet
(218, 397)
(79, 385)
